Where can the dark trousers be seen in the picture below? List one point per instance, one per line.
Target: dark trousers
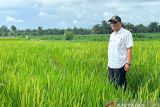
(118, 77)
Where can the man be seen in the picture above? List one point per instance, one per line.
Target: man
(119, 53)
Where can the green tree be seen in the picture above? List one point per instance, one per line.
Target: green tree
(97, 29)
(140, 28)
(153, 27)
(129, 26)
(69, 35)
(13, 30)
(4, 30)
(40, 30)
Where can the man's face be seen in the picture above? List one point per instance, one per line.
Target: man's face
(115, 25)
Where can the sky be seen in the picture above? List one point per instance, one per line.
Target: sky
(79, 13)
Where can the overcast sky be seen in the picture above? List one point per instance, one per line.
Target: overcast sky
(79, 13)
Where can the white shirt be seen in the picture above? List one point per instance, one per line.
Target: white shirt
(117, 48)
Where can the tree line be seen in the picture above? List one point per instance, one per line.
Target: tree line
(103, 28)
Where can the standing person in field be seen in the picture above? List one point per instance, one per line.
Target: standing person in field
(119, 53)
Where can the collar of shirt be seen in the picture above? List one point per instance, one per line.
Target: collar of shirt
(118, 31)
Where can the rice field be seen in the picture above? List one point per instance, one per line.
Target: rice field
(73, 74)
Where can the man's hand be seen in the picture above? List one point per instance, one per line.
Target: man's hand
(129, 57)
(126, 67)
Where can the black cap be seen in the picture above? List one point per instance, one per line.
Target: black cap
(115, 19)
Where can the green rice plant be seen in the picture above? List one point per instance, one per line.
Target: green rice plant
(73, 74)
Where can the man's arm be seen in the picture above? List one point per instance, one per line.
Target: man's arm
(129, 59)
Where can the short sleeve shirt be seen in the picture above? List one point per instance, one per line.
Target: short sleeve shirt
(117, 48)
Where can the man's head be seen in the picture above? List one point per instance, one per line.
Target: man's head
(115, 22)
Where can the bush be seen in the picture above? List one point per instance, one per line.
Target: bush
(69, 35)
